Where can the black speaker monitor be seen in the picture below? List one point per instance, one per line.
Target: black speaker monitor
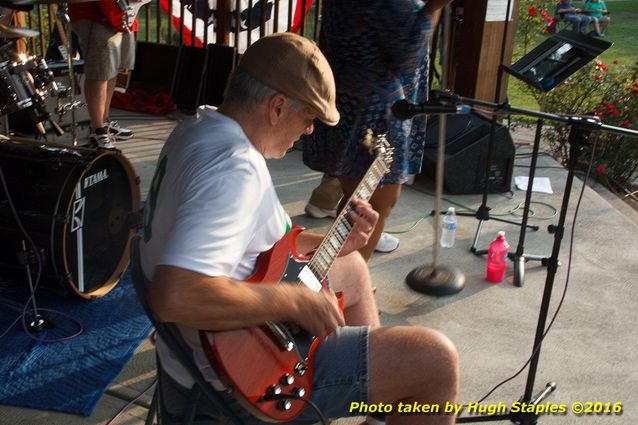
(221, 62)
(191, 73)
(155, 67)
(466, 143)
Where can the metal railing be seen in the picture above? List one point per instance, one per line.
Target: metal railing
(191, 22)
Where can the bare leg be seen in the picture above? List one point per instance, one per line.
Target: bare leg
(604, 23)
(382, 201)
(350, 274)
(596, 26)
(96, 94)
(109, 95)
(412, 364)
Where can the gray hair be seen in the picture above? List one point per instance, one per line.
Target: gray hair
(243, 89)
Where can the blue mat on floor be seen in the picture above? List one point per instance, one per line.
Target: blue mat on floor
(69, 376)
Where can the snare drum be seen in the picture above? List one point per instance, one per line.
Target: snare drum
(79, 206)
(23, 83)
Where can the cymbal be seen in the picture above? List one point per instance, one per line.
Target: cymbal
(16, 32)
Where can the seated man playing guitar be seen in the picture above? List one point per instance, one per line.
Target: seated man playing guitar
(216, 244)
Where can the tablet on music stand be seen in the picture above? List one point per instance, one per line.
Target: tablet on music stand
(556, 58)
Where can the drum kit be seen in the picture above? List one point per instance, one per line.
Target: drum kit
(67, 213)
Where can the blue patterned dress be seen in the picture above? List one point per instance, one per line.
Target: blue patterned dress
(379, 54)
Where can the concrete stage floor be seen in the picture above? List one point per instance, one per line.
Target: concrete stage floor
(590, 351)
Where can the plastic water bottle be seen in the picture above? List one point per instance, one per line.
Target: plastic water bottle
(448, 228)
(497, 259)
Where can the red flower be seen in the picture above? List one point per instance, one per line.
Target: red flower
(532, 11)
(598, 77)
(601, 169)
(615, 62)
(604, 67)
(625, 123)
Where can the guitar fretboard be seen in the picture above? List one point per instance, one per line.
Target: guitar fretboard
(336, 237)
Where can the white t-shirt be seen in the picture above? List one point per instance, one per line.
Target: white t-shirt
(212, 208)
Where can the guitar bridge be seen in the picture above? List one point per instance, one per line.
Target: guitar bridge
(282, 337)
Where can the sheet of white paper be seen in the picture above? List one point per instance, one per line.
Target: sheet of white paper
(496, 10)
(541, 184)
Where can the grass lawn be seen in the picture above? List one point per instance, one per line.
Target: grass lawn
(623, 32)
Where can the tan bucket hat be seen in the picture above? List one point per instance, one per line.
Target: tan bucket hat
(294, 66)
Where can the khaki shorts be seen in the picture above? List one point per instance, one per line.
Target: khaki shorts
(105, 51)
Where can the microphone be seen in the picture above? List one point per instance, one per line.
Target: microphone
(405, 110)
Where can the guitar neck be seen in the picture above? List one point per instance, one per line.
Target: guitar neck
(336, 237)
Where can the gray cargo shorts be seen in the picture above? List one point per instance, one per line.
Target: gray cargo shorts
(105, 51)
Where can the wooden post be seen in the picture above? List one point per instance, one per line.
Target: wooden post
(477, 55)
(223, 22)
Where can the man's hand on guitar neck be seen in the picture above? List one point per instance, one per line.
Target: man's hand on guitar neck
(363, 219)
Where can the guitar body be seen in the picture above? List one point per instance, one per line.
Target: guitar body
(253, 362)
(121, 14)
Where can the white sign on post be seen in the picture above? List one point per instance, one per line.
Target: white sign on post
(496, 10)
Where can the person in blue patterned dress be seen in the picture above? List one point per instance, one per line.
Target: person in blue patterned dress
(378, 52)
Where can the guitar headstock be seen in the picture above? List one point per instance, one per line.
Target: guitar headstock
(379, 147)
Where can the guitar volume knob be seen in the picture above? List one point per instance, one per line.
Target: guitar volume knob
(299, 392)
(284, 405)
(287, 379)
(300, 369)
(274, 390)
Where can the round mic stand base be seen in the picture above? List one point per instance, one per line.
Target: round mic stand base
(438, 280)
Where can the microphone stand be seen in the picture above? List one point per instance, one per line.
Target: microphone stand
(438, 279)
(581, 127)
(483, 212)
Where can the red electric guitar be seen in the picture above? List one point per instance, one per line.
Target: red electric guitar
(268, 368)
(121, 14)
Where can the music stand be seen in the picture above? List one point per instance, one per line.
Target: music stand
(546, 66)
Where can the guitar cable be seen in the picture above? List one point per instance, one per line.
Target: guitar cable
(275, 397)
(25, 309)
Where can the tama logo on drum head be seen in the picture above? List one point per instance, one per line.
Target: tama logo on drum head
(95, 178)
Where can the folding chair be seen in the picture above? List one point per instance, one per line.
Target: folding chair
(201, 390)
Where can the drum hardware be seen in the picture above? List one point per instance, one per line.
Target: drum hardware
(24, 85)
(26, 258)
(10, 32)
(63, 24)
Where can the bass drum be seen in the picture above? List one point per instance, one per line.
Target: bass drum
(79, 207)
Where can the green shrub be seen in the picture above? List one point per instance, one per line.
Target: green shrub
(611, 93)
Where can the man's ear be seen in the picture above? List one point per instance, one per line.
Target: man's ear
(276, 106)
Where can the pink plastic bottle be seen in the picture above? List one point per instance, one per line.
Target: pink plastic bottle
(497, 259)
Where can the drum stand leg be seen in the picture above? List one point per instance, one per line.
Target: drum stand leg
(39, 322)
(63, 23)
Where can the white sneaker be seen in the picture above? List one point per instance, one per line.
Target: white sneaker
(117, 131)
(101, 141)
(387, 243)
(316, 212)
